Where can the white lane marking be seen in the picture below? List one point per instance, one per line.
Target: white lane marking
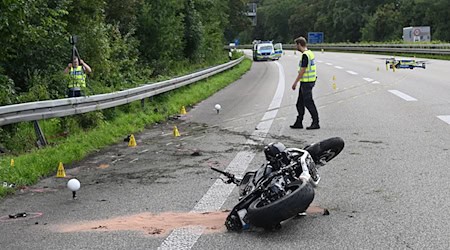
(375, 82)
(320, 61)
(402, 95)
(338, 67)
(329, 64)
(270, 115)
(368, 79)
(445, 118)
(351, 72)
(185, 238)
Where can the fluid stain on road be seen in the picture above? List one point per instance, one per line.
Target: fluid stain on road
(161, 224)
(153, 224)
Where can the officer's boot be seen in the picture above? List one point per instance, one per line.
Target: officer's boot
(298, 124)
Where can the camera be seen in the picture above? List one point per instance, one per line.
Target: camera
(73, 39)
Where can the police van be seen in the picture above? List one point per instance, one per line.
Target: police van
(265, 50)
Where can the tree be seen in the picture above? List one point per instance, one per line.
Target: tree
(31, 38)
(237, 19)
(161, 31)
(193, 30)
(384, 25)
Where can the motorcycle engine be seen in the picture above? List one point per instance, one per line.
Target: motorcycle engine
(276, 189)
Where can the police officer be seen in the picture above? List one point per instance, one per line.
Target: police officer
(77, 79)
(307, 75)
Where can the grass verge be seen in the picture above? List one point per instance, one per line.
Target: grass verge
(30, 167)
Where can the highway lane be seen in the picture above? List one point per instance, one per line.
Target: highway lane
(386, 189)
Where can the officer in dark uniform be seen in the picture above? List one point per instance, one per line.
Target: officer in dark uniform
(307, 76)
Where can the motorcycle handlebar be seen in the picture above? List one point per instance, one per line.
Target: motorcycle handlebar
(230, 176)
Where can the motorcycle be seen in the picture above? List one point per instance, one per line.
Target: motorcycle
(281, 188)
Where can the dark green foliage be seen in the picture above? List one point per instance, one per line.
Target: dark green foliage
(237, 20)
(160, 31)
(193, 30)
(349, 20)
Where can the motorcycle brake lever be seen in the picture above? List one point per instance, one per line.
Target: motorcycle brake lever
(226, 181)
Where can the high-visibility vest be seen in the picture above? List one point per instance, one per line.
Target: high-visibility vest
(77, 77)
(310, 74)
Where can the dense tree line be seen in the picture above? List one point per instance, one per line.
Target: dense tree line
(348, 20)
(126, 42)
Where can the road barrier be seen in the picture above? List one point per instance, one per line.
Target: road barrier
(33, 111)
(432, 49)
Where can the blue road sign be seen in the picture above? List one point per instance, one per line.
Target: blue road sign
(315, 37)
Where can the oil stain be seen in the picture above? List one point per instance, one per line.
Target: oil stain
(162, 224)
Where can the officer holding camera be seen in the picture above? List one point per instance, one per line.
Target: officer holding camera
(77, 72)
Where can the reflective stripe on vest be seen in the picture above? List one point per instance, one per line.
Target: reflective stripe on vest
(310, 74)
(77, 77)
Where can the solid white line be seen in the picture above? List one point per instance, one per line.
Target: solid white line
(445, 118)
(338, 67)
(185, 238)
(351, 72)
(402, 95)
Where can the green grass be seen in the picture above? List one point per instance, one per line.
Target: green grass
(128, 119)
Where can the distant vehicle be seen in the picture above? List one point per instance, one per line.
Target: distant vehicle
(278, 51)
(417, 34)
(265, 50)
(404, 63)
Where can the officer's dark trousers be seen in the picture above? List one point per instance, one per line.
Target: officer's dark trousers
(305, 99)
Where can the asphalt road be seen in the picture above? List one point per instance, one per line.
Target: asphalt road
(386, 190)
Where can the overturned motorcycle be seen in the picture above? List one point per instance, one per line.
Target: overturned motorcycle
(281, 188)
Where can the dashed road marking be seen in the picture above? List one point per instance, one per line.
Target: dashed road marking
(445, 118)
(402, 95)
(375, 82)
(329, 64)
(338, 67)
(368, 79)
(351, 72)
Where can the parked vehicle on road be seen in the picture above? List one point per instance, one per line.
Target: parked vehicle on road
(266, 50)
(281, 188)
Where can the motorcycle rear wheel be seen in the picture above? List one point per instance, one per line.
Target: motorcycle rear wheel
(326, 150)
(269, 215)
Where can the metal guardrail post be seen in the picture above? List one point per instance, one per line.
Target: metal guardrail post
(39, 134)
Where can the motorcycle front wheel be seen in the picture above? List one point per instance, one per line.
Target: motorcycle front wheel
(300, 196)
(325, 150)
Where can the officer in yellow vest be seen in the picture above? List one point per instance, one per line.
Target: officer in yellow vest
(307, 76)
(77, 77)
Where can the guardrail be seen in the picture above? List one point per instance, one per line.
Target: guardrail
(34, 111)
(432, 49)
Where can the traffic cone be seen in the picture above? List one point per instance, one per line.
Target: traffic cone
(334, 78)
(334, 86)
(176, 133)
(295, 52)
(132, 142)
(183, 110)
(61, 172)
(322, 50)
(12, 163)
(378, 68)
